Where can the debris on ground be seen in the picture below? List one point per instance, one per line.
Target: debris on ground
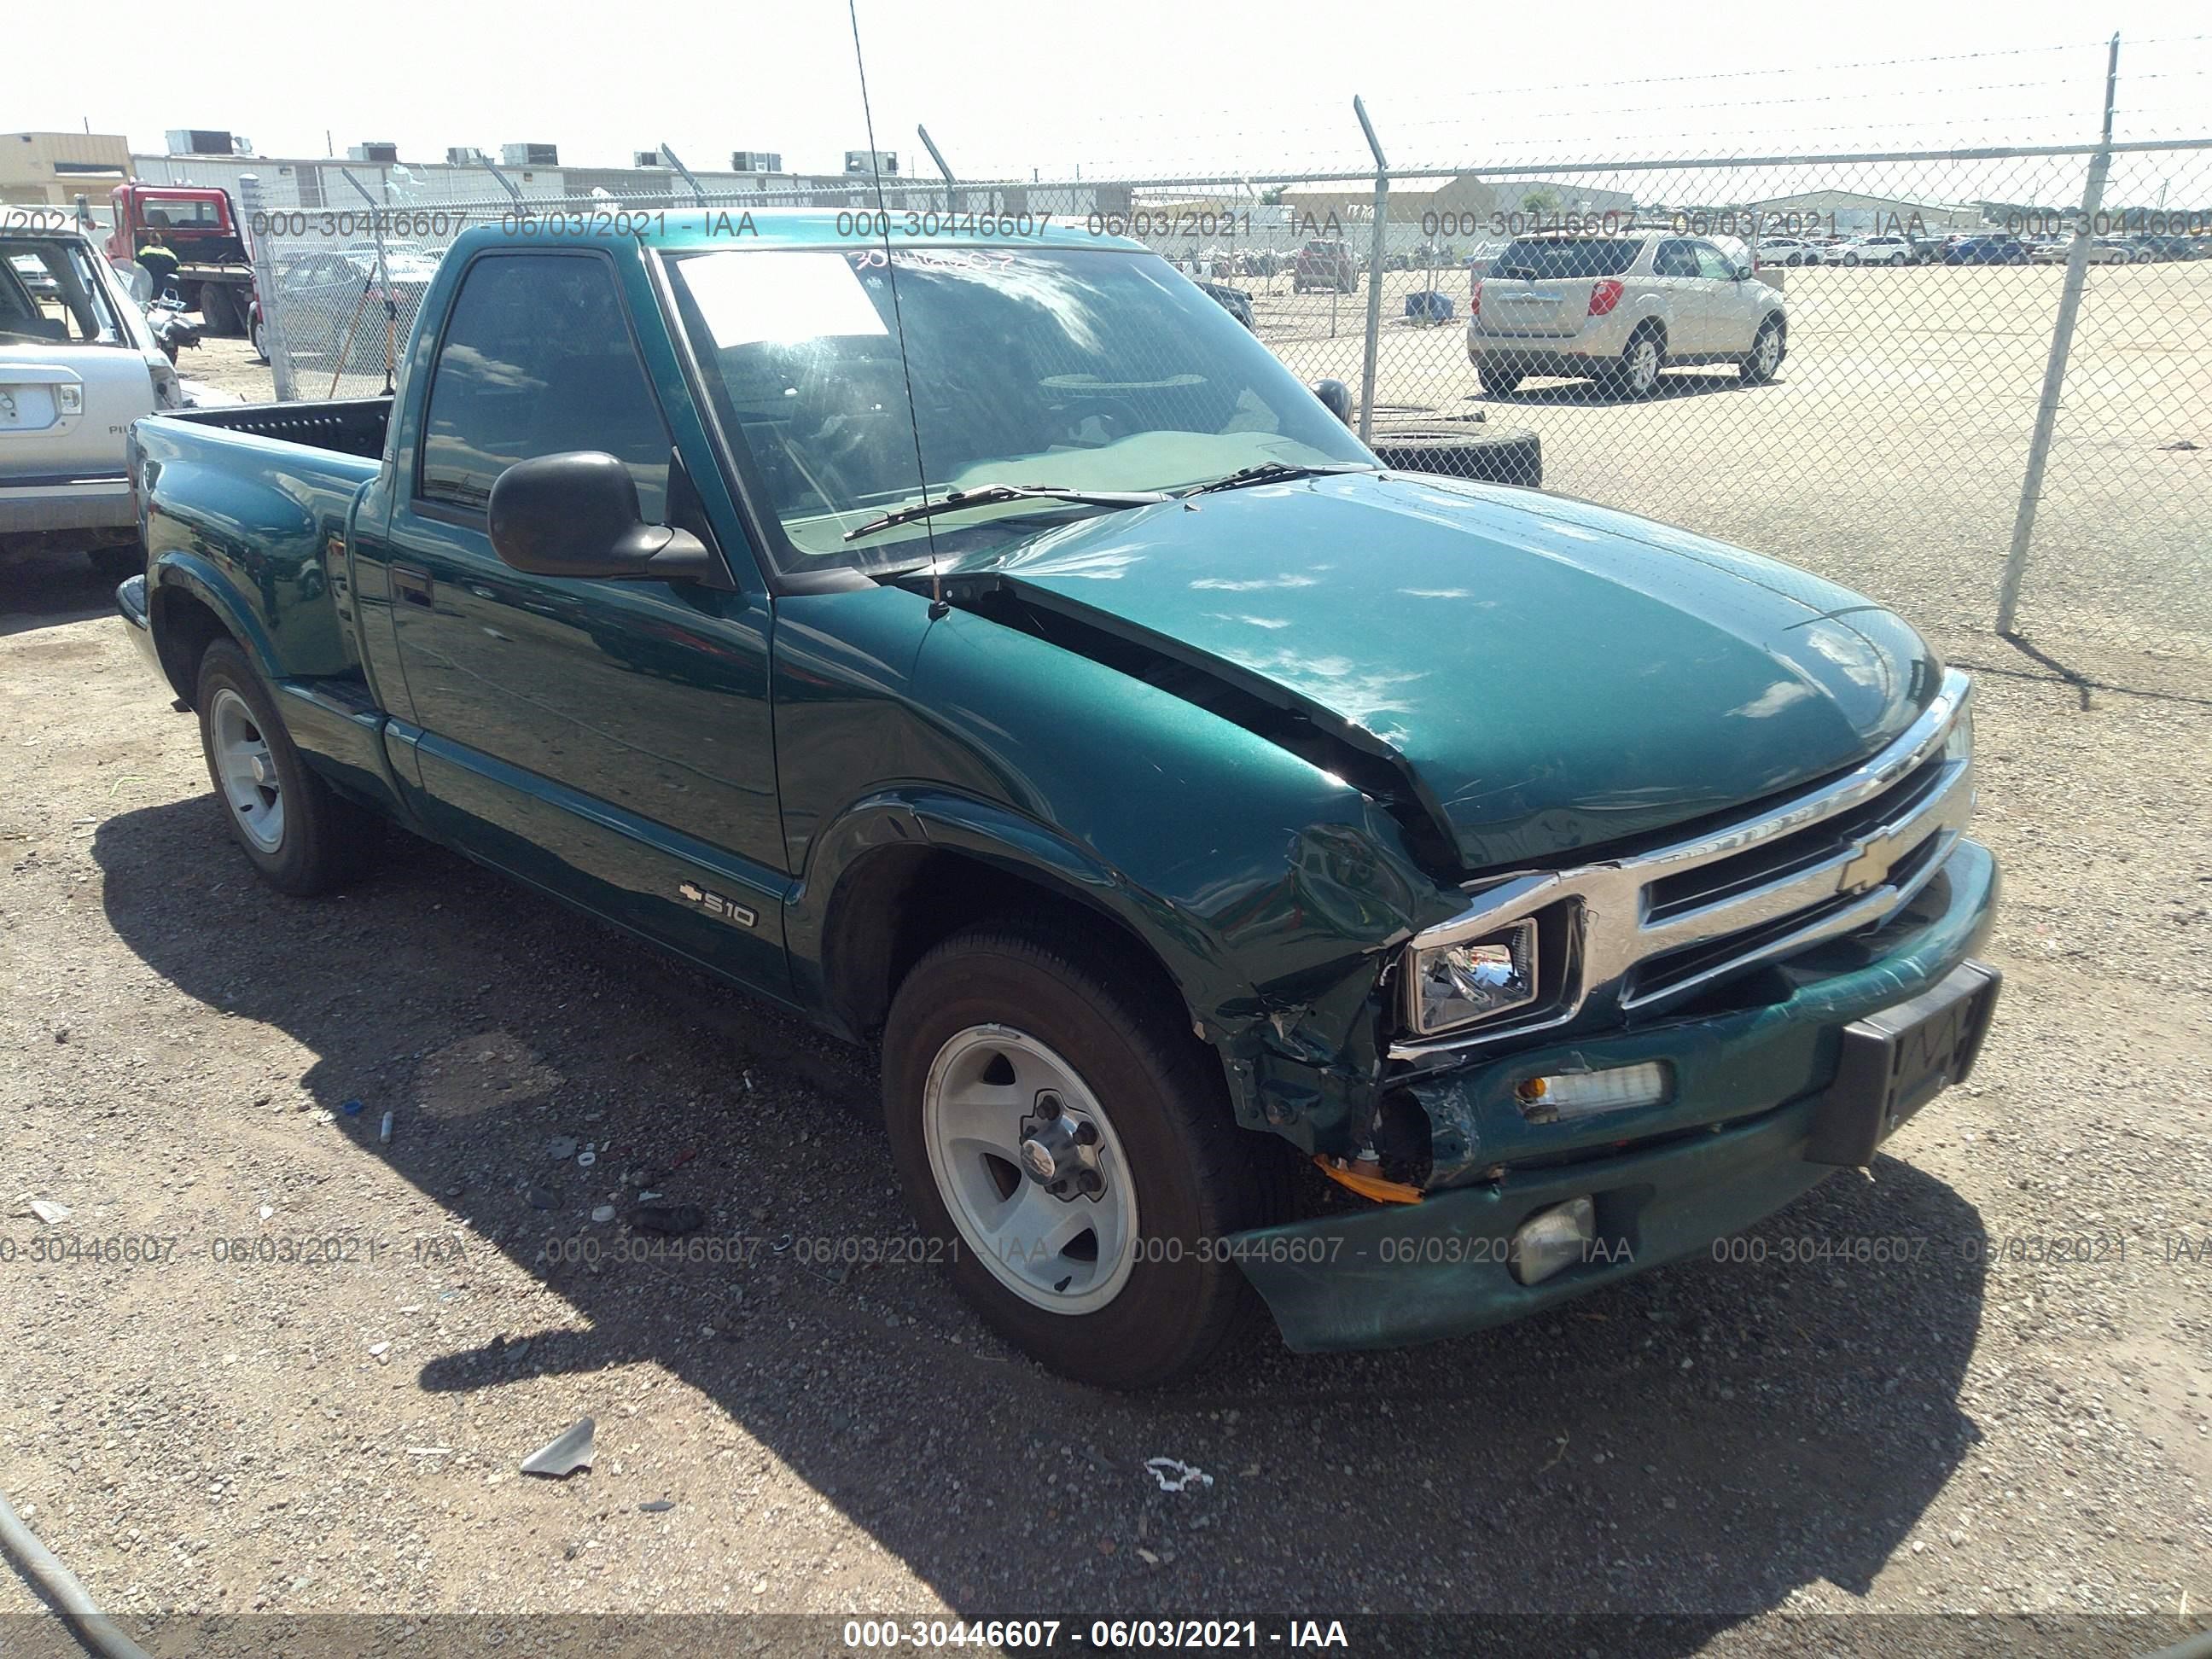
(559, 1458)
(544, 1198)
(560, 1148)
(672, 1220)
(45, 1210)
(350, 1108)
(384, 1131)
(1175, 1475)
(658, 1506)
(604, 1212)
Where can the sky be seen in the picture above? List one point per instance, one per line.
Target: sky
(1010, 87)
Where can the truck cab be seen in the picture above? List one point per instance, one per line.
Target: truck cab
(199, 224)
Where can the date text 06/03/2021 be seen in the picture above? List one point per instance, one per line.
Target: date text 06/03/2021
(1044, 1635)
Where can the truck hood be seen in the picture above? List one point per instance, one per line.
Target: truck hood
(1541, 675)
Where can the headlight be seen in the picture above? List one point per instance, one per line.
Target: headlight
(1959, 741)
(1477, 979)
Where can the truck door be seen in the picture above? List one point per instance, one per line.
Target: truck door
(607, 740)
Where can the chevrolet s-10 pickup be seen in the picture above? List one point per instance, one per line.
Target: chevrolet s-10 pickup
(1418, 901)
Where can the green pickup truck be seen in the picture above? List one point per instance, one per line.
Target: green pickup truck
(1417, 900)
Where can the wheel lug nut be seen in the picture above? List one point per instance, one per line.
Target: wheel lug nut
(1092, 1183)
(1086, 1135)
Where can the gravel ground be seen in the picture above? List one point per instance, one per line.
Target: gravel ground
(1998, 1423)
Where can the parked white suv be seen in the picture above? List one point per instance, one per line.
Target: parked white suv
(1879, 251)
(1617, 309)
(78, 365)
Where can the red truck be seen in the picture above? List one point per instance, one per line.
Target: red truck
(199, 224)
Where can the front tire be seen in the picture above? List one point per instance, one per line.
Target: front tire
(1767, 353)
(1069, 1145)
(299, 836)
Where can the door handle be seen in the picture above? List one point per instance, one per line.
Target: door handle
(412, 585)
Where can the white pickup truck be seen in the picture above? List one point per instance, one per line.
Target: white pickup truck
(78, 365)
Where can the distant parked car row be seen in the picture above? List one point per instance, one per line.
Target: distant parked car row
(1974, 248)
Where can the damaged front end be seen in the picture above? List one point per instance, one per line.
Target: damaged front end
(1674, 1044)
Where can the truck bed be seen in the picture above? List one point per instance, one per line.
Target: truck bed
(255, 503)
(345, 426)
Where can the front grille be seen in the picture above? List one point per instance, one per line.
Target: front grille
(1660, 928)
(1728, 879)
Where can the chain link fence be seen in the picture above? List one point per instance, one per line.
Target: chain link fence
(1975, 384)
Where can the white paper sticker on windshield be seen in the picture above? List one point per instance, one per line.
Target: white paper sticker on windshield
(749, 297)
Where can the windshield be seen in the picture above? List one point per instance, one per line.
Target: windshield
(1086, 369)
(52, 294)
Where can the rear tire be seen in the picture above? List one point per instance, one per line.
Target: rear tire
(999, 1040)
(256, 329)
(1498, 380)
(218, 311)
(299, 835)
(1636, 372)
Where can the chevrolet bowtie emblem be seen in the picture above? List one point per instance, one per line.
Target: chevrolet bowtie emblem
(1865, 873)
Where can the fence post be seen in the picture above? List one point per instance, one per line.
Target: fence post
(951, 192)
(2054, 373)
(1374, 275)
(698, 191)
(251, 203)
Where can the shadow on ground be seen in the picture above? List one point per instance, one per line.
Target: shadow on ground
(1705, 1439)
(50, 589)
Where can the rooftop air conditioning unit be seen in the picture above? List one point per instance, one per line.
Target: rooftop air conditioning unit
(530, 156)
(202, 141)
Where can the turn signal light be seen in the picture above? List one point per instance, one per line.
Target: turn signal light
(1475, 298)
(1605, 294)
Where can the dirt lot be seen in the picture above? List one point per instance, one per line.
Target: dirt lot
(2005, 1420)
(1889, 454)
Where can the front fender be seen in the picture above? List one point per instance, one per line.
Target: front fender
(945, 820)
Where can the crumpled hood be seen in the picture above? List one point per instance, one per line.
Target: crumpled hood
(1552, 675)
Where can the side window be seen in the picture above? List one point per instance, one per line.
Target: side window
(1711, 262)
(1673, 259)
(537, 359)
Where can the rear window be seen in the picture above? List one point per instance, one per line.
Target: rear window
(1541, 259)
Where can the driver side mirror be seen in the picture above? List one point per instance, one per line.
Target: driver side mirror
(1336, 397)
(576, 514)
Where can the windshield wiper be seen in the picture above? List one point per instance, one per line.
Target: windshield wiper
(991, 494)
(1274, 472)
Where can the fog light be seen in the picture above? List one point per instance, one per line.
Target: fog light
(69, 399)
(1553, 1239)
(1583, 1094)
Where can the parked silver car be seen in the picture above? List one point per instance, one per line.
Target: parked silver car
(78, 365)
(1618, 309)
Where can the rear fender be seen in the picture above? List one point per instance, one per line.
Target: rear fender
(195, 575)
